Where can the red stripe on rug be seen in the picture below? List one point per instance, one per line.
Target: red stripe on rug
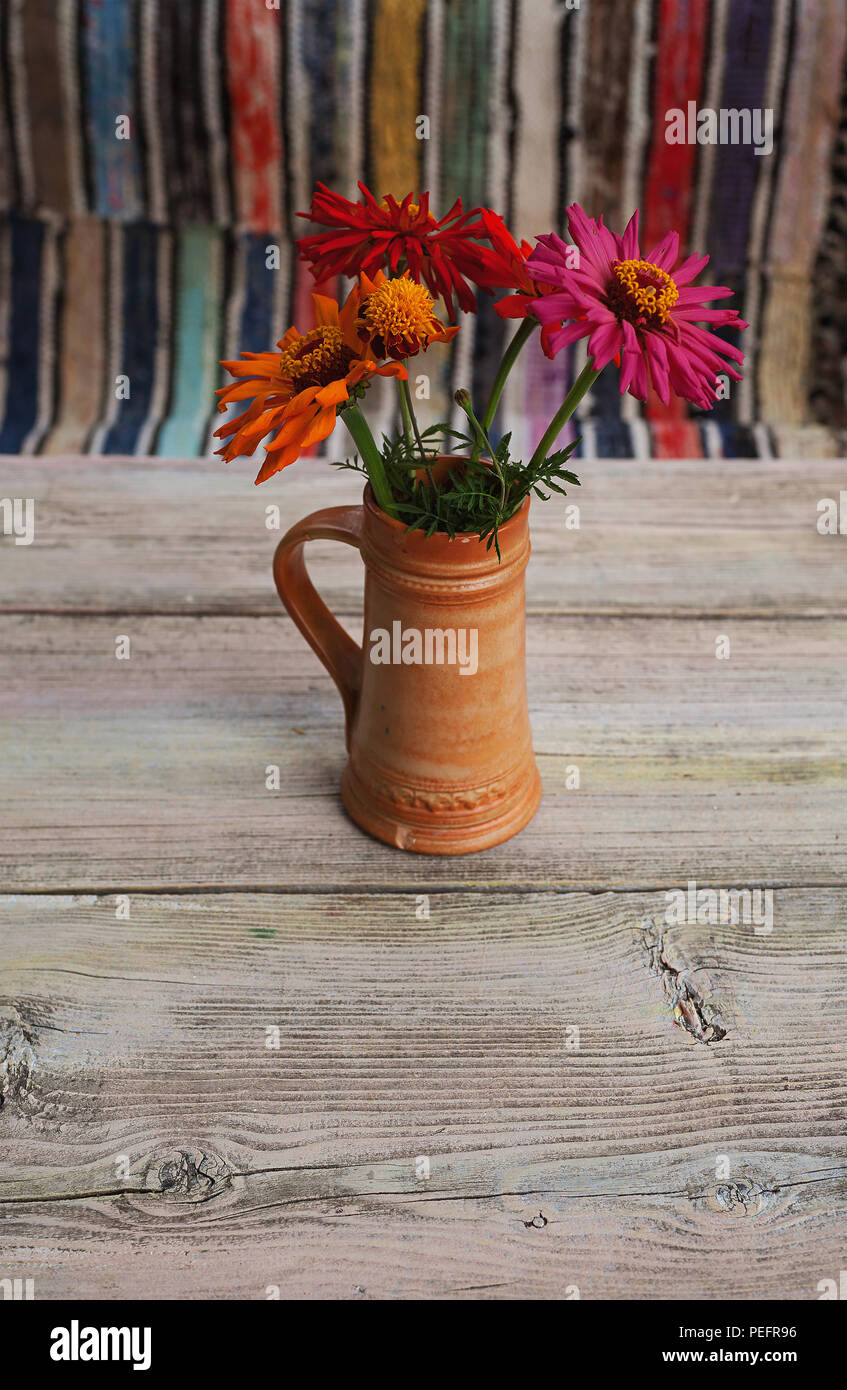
(669, 185)
(252, 57)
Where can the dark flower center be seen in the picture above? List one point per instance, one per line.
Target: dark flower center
(317, 358)
(642, 293)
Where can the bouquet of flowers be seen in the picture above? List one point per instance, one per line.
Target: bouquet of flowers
(641, 312)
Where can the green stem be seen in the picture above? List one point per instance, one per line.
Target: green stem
(410, 423)
(406, 399)
(371, 457)
(406, 415)
(586, 379)
(463, 400)
(525, 332)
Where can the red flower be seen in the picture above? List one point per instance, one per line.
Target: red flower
(503, 266)
(369, 236)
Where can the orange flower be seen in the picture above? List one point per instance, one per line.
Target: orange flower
(298, 391)
(397, 316)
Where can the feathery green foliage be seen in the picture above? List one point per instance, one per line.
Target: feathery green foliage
(477, 496)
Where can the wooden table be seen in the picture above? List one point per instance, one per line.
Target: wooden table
(238, 1055)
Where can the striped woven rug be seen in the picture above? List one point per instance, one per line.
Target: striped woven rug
(153, 154)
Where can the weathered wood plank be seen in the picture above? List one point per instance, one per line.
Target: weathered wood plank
(155, 1145)
(138, 535)
(612, 1247)
(152, 771)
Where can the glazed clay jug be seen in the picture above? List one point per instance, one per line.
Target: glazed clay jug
(440, 750)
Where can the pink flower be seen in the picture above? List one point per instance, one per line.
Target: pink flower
(639, 311)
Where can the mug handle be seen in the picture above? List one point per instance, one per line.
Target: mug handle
(341, 656)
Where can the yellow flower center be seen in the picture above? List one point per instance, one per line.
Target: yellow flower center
(413, 209)
(400, 311)
(642, 293)
(316, 358)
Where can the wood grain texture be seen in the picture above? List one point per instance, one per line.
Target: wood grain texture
(138, 535)
(151, 772)
(153, 1144)
(640, 1163)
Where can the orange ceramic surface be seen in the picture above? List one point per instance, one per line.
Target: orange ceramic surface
(440, 750)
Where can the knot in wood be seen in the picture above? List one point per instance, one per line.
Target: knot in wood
(742, 1197)
(192, 1176)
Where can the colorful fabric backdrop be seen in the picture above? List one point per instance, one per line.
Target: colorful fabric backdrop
(143, 260)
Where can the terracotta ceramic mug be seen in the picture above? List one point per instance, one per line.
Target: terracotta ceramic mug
(438, 736)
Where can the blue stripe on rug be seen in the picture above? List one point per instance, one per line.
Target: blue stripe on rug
(738, 441)
(748, 32)
(319, 32)
(748, 36)
(605, 397)
(614, 440)
(140, 315)
(27, 242)
(194, 371)
(109, 46)
(255, 329)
